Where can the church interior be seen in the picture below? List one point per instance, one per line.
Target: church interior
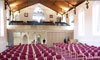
(49, 30)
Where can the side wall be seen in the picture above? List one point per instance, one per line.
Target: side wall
(3, 39)
(88, 37)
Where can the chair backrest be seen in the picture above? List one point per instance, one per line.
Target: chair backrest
(53, 53)
(16, 54)
(4, 59)
(1, 56)
(49, 57)
(31, 59)
(40, 58)
(92, 53)
(30, 56)
(8, 55)
(98, 53)
(45, 54)
(38, 55)
(58, 57)
(14, 58)
(86, 54)
(23, 57)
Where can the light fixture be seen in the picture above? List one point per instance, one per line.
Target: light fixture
(19, 11)
(10, 12)
(87, 4)
(5, 4)
(75, 10)
(67, 15)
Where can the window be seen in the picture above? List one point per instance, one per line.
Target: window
(38, 14)
(81, 17)
(1, 20)
(96, 19)
(71, 21)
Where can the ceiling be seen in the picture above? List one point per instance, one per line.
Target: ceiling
(60, 6)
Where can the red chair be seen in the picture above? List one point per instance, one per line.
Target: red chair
(46, 54)
(1, 56)
(31, 59)
(8, 56)
(14, 58)
(4, 59)
(59, 57)
(30, 56)
(23, 57)
(38, 55)
(40, 58)
(16, 54)
(49, 57)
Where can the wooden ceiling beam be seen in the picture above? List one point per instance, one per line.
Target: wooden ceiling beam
(69, 3)
(76, 5)
(13, 1)
(25, 4)
(51, 5)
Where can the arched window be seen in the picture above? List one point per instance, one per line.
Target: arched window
(81, 17)
(96, 18)
(71, 21)
(16, 16)
(1, 19)
(38, 14)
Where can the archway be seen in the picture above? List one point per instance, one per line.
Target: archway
(25, 41)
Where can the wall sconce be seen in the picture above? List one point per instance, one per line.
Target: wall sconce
(75, 10)
(10, 12)
(67, 15)
(87, 4)
(5, 4)
(19, 11)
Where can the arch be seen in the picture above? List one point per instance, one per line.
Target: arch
(26, 36)
(25, 41)
(16, 16)
(81, 20)
(38, 14)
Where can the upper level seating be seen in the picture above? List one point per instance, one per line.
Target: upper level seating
(30, 52)
(37, 23)
(79, 51)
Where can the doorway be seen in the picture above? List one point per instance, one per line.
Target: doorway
(25, 41)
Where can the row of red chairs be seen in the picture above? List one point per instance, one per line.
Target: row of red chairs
(30, 52)
(79, 51)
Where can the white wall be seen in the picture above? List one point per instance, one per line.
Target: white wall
(30, 10)
(88, 37)
(3, 39)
